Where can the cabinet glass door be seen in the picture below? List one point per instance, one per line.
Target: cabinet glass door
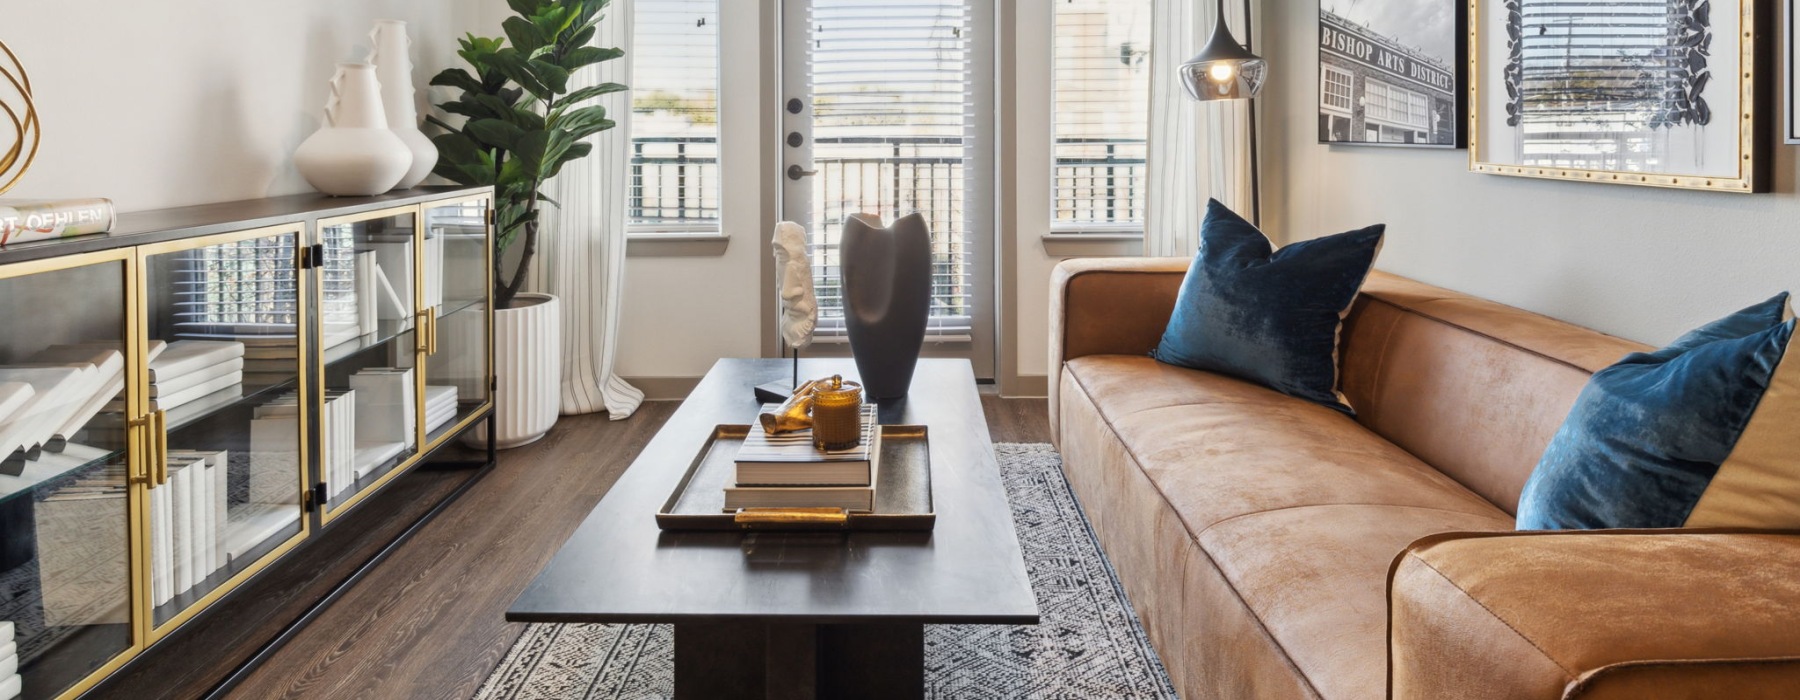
(67, 503)
(455, 294)
(369, 318)
(223, 392)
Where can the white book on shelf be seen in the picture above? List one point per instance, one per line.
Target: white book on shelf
(181, 398)
(13, 396)
(161, 576)
(95, 404)
(107, 361)
(346, 441)
(252, 525)
(57, 393)
(180, 415)
(204, 512)
(6, 631)
(370, 455)
(175, 385)
(385, 411)
(11, 686)
(185, 356)
(274, 459)
(108, 380)
(221, 505)
(367, 292)
(9, 664)
(434, 272)
(395, 262)
(181, 499)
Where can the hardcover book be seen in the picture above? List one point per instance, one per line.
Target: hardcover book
(790, 459)
(23, 221)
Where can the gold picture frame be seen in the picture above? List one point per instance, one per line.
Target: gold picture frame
(1592, 147)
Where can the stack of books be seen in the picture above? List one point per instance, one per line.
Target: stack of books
(201, 373)
(46, 401)
(786, 471)
(270, 361)
(440, 406)
(10, 683)
(188, 517)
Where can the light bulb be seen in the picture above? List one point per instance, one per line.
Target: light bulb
(1221, 72)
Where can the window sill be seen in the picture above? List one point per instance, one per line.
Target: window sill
(709, 244)
(1093, 245)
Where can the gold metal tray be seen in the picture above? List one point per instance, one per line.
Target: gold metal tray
(902, 490)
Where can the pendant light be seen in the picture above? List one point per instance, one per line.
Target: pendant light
(1224, 69)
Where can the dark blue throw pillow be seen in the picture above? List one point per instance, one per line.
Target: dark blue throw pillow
(1702, 433)
(1265, 315)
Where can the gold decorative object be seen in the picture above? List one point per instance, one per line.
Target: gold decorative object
(837, 414)
(793, 415)
(27, 134)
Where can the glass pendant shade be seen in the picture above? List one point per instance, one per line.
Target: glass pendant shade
(1224, 69)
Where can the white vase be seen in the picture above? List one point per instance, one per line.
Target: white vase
(391, 54)
(354, 153)
(528, 369)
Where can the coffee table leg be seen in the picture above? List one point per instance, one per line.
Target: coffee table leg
(736, 660)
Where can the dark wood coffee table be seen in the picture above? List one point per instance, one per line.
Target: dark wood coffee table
(798, 615)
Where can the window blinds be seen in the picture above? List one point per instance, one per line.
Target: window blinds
(1101, 91)
(675, 115)
(893, 132)
(246, 288)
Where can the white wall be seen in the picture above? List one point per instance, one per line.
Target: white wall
(177, 102)
(683, 313)
(1638, 262)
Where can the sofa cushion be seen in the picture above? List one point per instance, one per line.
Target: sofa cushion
(1219, 448)
(1316, 579)
(1270, 316)
(1699, 433)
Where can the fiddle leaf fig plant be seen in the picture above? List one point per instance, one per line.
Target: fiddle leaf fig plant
(521, 122)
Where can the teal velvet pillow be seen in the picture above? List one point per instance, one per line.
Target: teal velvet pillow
(1265, 315)
(1704, 432)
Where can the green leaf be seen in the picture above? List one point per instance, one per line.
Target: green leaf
(495, 132)
(457, 78)
(587, 56)
(524, 35)
(554, 78)
(582, 122)
(525, 7)
(513, 65)
(582, 36)
(590, 92)
(531, 149)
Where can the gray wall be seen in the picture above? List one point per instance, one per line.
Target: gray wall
(1638, 262)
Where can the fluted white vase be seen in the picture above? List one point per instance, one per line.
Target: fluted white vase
(353, 153)
(391, 54)
(528, 369)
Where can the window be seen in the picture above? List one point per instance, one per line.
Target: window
(245, 288)
(1101, 95)
(1397, 106)
(1334, 85)
(675, 116)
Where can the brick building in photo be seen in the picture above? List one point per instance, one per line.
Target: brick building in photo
(1373, 89)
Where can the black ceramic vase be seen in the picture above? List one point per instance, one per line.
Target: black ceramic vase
(887, 298)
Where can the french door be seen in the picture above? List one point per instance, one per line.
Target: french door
(887, 109)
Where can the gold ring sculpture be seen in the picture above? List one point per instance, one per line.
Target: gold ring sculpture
(27, 132)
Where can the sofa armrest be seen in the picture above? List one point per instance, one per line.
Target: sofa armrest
(1599, 614)
(1108, 306)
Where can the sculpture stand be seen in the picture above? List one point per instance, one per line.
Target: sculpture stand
(778, 391)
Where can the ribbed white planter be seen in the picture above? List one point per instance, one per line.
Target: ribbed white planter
(528, 367)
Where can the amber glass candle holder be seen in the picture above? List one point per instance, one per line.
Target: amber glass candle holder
(837, 415)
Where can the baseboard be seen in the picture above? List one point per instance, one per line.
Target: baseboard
(664, 388)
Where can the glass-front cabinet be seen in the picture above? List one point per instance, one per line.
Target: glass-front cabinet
(177, 412)
(458, 326)
(372, 335)
(223, 390)
(72, 454)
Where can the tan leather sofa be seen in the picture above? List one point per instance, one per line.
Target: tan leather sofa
(1275, 548)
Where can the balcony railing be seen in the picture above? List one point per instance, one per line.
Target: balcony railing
(1098, 182)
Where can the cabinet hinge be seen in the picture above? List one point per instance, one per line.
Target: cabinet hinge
(312, 256)
(315, 497)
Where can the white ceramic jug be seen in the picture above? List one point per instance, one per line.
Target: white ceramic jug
(392, 56)
(354, 153)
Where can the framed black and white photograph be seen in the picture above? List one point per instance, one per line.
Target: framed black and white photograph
(1666, 93)
(1391, 72)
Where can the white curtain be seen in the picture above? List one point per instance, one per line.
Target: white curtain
(581, 253)
(1197, 149)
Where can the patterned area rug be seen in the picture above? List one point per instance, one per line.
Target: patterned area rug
(1089, 644)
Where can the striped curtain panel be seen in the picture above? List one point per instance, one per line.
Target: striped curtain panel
(581, 258)
(1196, 149)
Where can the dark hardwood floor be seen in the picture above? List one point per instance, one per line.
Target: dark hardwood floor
(427, 623)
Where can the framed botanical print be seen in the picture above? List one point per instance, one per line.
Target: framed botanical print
(1391, 72)
(1666, 93)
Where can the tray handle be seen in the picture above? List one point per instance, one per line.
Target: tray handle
(795, 518)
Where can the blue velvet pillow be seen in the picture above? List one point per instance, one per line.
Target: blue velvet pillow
(1704, 432)
(1265, 315)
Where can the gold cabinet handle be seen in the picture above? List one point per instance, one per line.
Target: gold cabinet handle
(160, 432)
(421, 331)
(431, 344)
(137, 440)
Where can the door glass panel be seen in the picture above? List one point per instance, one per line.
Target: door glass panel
(888, 116)
(369, 423)
(224, 389)
(65, 570)
(456, 287)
